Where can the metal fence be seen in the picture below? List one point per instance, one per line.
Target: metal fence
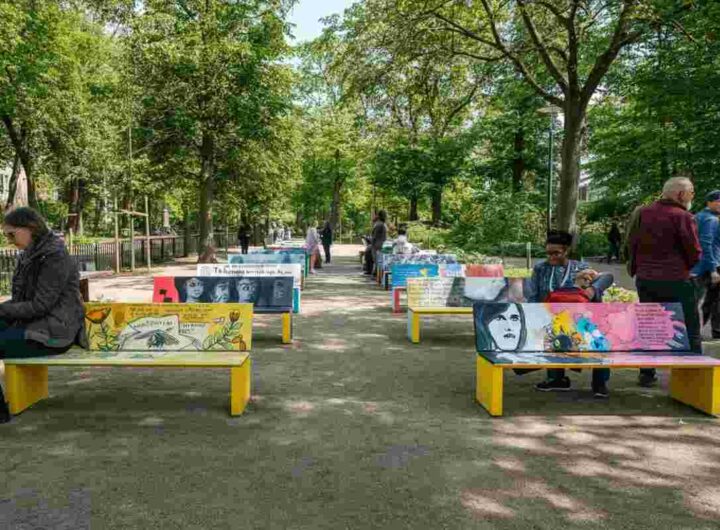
(101, 256)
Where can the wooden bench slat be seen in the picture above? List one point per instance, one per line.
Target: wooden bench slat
(137, 358)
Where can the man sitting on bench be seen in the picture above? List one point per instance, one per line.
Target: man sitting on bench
(561, 279)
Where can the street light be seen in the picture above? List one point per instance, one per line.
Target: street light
(551, 111)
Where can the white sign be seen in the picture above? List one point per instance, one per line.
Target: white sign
(253, 269)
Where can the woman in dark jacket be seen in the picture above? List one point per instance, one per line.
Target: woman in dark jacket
(45, 314)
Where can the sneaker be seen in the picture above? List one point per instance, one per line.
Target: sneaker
(601, 391)
(647, 380)
(554, 385)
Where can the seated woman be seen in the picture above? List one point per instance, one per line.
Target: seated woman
(45, 314)
(561, 279)
(402, 245)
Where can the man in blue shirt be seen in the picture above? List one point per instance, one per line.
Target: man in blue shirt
(705, 272)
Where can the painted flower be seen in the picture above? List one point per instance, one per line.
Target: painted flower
(585, 325)
(98, 316)
(563, 323)
(234, 316)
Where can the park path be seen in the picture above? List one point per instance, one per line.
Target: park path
(352, 427)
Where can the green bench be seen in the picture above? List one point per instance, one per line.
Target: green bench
(212, 336)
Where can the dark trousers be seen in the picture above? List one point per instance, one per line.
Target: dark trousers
(600, 376)
(326, 247)
(369, 259)
(679, 291)
(244, 244)
(614, 251)
(708, 298)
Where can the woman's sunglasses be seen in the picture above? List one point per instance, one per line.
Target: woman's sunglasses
(9, 235)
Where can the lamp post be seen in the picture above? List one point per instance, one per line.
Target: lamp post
(551, 111)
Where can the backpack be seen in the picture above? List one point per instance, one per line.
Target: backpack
(568, 295)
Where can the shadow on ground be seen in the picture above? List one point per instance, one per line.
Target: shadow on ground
(352, 426)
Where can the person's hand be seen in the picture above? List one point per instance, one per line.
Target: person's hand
(714, 277)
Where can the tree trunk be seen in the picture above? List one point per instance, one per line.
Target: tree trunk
(571, 152)
(436, 207)
(335, 206)
(207, 192)
(187, 236)
(12, 184)
(519, 161)
(74, 201)
(18, 141)
(413, 216)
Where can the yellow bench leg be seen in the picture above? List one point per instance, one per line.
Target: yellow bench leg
(26, 385)
(413, 327)
(697, 387)
(287, 332)
(489, 386)
(240, 387)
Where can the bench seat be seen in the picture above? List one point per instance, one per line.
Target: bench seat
(27, 378)
(414, 314)
(694, 379)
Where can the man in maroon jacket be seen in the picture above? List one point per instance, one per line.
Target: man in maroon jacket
(663, 247)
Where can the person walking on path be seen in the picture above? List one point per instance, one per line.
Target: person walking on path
(705, 273)
(663, 247)
(326, 235)
(379, 235)
(244, 238)
(312, 242)
(561, 279)
(45, 315)
(614, 239)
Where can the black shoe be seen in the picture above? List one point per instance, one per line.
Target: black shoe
(554, 385)
(647, 380)
(5, 415)
(601, 391)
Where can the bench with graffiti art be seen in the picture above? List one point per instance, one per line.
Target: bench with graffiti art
(613, 335)
(213, 336)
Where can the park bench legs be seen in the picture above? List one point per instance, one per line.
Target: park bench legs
(697, 387)
(413, 327)
(396, 300)
(26, 385)
(287, 328)
(489, 386)
(240, 387)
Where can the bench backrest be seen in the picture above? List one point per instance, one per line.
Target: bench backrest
(279, 250)
(471, 270)
(427, 259)
(586, 328)
(253, 269)
(462, 292)
(266, 293)
(401, 272)
(168, 327)
(285, 257)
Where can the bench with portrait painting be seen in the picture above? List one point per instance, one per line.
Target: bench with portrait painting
(400, 273)
(267, 294)
(281, 257)
(260, 270)
(208, 336)
(442, 296)
(612, 335)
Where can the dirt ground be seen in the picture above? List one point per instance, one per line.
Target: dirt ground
(352, 427)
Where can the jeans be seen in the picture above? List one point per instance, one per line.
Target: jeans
(708, 298)
(600, 376)
(678, 291)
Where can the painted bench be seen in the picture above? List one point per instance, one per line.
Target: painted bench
(401, 273)
(213, 336)
(530, 336)
(267, 294)
(454, 296)
(272, 258)
(425, 257)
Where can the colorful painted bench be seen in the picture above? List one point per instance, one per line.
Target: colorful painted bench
(531, 336)
(216, 336)
(267, 294)
(454, 296)
(272, 257)
(426, 257)
(259, 270)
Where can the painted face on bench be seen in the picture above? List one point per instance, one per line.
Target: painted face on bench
(221, 292)
(505, 329)
(278, 290)
(485, 289)
(194, 288)
(247, 290)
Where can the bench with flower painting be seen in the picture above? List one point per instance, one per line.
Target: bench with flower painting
(213, 336)
(268, 294)
(611, 335)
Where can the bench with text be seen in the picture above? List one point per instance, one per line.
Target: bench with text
(267, 294)
(148, 336)
(259, 270)
(424, 258)
(455, 296)
(275, 258)
(527, 336)
(445, 270)
(282, 249)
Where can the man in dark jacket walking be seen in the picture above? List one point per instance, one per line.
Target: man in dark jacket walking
(326, 236)
(663, 247)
